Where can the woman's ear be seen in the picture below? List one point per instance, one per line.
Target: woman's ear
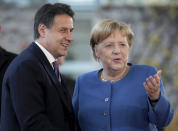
(96, 51)
(42, 30)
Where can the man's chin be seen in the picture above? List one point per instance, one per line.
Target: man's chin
(63, 55)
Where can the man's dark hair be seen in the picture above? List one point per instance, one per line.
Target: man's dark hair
(45, 15)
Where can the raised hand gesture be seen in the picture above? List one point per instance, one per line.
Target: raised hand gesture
(152, 86)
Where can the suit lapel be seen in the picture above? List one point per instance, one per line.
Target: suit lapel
(48, 68)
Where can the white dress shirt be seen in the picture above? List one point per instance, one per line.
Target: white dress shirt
(48, 55)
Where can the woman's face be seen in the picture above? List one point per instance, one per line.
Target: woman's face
(113, 51)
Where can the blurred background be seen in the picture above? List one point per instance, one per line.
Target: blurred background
(154, 22)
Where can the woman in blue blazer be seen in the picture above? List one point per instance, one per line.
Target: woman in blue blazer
(120, 96)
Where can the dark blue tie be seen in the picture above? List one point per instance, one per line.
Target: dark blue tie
(56, 70)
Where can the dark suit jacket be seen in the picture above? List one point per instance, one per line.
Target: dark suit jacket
(5, 59)
(33, 99)
(69, 83)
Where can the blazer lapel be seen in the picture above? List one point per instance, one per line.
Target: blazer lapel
(48, 68)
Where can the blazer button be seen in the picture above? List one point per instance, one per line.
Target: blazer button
(105, 113)
(106, 99)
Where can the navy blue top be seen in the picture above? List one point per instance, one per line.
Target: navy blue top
(119, 106)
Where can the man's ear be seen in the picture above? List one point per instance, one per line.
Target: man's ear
(42, 30)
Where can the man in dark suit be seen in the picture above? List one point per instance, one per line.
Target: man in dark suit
(5, 59)
(69, 82)
(34, 97)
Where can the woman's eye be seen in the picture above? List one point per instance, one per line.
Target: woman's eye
(108, 45)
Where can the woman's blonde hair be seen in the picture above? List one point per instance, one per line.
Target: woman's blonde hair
(105, 28)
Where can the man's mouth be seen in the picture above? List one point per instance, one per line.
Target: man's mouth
(65, 45)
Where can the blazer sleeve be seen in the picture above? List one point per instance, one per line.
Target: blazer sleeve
(75, 103)
(162, 114)
(26, 88)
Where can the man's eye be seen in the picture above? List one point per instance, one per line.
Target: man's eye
(62, 30)
(71, 30)
(122, 44)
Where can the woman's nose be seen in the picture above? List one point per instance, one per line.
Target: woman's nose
(116, 50)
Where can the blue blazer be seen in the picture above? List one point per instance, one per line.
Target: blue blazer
(33, 99)
(119, 106)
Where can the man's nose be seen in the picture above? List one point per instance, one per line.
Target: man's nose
(69, 37)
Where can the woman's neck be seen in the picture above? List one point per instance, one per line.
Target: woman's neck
(113, 76)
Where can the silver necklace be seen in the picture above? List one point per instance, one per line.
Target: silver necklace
(103, 79)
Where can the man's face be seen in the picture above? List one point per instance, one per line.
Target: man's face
(58, 37)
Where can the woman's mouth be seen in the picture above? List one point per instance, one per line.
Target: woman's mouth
(117, 60)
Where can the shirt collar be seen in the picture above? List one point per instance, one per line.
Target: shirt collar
(48, 55)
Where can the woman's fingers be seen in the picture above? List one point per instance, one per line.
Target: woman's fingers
(152, 86)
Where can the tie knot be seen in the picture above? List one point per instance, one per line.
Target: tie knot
(55, 65)
(56, 69)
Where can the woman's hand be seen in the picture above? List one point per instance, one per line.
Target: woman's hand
(152, 86)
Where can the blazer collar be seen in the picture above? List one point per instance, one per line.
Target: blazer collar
(48, 68)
